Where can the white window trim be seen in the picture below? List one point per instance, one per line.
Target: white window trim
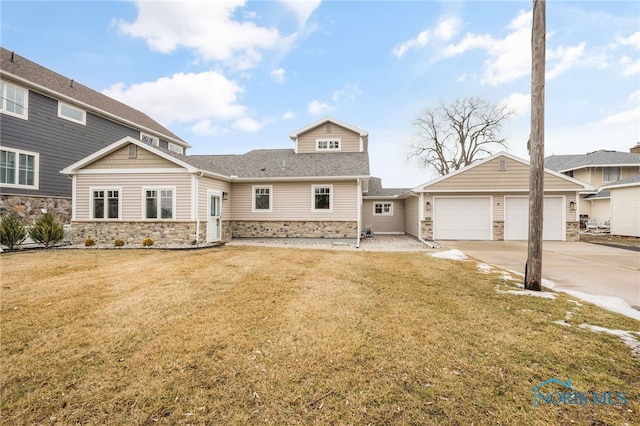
(329, 140)
(64, 117)
(175, 148)
(609, 168)
(158, 188)
(105, 188)
(383, 212)
(313, 199)
(36, 169)
(155, 141)
(3, 100)
(253, 199)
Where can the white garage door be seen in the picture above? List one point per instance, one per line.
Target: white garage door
(516, 218)
(462, 218)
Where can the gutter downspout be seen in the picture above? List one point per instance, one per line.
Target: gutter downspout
(359, 212)
(196, 192)
(425, 242)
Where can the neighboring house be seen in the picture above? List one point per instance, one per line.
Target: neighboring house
(603, 169)
(624, 196)
(131, 190)
(489, 200)
(48, 121)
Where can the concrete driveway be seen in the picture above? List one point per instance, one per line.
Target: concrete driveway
(587, 268)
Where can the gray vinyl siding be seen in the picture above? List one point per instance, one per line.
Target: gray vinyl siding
(292, 201)
(132, 197)
(380, 223)
(59, 142)
(411, 216)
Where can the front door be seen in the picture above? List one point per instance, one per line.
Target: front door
(214, 222)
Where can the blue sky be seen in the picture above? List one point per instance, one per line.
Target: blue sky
(232, 76)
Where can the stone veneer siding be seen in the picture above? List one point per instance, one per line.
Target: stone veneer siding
(162, 233)
(294, 229)
(29, 208)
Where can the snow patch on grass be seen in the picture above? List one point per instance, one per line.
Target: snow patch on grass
(450, 254)
(542, 294)
(630, 338)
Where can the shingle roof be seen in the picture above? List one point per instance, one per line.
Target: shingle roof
(376, 189)
(58, 84)
(562, 163)
(602, 194)
(630, 181)
(280, 163)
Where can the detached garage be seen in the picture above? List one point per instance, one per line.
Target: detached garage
(489, 200)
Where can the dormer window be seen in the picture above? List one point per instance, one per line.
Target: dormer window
(328, 144)
(151, 140)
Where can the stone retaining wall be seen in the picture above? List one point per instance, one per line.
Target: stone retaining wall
(30, 208)
(294, 229)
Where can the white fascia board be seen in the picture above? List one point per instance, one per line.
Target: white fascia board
(298, 178)
(317, 123)
(88, 107)
(72, 169)
(587, 166)
(623, 185)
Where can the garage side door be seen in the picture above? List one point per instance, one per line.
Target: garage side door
(462, 218)
(516, 218)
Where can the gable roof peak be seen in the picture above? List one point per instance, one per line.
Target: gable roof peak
(328, 119)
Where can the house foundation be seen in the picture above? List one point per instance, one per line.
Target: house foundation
(30, 208)
(294, 229)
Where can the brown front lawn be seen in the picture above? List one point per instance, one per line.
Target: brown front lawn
(256, 335)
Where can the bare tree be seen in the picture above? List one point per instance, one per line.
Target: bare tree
(452, 136)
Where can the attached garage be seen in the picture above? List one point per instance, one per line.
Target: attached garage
(516, 218)
(462, 218)
(489, 200)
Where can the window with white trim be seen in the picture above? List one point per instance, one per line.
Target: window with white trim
(151, 140)
(610, 174)
(328, 144)
(159, 203)
(19, 169)
(262, 198)
(72, 113)
(105, 203)
(14, 100)
(176, 148)
(383, 209)
(322, 197)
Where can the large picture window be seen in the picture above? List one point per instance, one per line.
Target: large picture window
(18, 168)
(322, 197)
(13, 100)
(105, 203)
(262, 198)
(159, 203)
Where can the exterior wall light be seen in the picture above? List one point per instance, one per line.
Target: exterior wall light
(572, 206)
(428, 206)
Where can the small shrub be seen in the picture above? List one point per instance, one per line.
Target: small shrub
(147, 242)
(47, 230)
(12, 232)
(118, 243)
(89, 242)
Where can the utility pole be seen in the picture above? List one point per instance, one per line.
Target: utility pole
(533, 269)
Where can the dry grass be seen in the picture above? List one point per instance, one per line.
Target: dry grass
(243, 335)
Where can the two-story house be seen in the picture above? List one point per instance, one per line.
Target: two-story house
(130, 190)
(48, 121)
(616, 177)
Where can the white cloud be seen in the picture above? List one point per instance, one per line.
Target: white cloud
(278, 75)
(444, 31)
(247, 125)
(302, 8)
(629, 67)
(205, 128)
(519, 103)
(633, 40)
(349, 91)
(289, 115)
(208, 28)
(621, 118)
(183, 98)
(319, 108)
(569, 57)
